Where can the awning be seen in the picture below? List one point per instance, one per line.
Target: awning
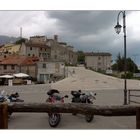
(21, 75)
(6, 76)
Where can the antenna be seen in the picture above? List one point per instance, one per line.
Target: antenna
(20, 32)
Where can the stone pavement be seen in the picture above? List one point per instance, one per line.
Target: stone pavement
(85, 79)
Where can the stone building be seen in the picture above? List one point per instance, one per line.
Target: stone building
(50, 71)
(43, 48)
(36, 47)
(60, 51)
(10, 49)
(49, 57)
(12, 64)
(98, 60)
(38, 40)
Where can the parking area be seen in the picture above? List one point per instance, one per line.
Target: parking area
(37, 94)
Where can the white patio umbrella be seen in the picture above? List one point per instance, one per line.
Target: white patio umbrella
(21, 75)
(6, 76)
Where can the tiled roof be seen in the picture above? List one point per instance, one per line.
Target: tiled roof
(1, 57)
(97, 54)
(17, 59)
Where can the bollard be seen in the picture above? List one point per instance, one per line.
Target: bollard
(138, 118)
(3, 116)
(129, 97)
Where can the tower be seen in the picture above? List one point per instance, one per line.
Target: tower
(20, 32)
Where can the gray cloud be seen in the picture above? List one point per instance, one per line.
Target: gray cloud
(84, 22)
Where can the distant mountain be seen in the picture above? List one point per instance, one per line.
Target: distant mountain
(7, 39)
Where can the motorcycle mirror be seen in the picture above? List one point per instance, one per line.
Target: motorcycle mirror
(66, 96)
(16, 94)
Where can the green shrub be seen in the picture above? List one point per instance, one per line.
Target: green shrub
(129, 75)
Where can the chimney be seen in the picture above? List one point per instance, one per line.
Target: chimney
(56, 38)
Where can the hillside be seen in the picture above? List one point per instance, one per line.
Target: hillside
(7, 39)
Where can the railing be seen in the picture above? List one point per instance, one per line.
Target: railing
(124, 110)
(133, 95)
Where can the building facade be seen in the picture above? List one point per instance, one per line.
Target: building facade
(43, 48)
(42, 51)
(50, 71)
(18, 64)
(60, 51)
(98, 61)
(48, 58)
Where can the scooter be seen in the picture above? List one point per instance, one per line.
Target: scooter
(54, 97)
(79, 97)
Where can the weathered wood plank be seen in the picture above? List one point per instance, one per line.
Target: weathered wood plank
(124, 110)
(3, 116)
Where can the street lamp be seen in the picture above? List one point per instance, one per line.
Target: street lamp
(118, 30)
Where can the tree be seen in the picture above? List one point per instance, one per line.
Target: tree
(20, 41)
(119, 65)
(81, 57)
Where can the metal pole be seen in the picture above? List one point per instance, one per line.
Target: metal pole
(125, 64)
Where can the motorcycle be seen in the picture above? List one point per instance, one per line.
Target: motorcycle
(79, 97)
(4, 97)
(54, 97)
(15, 97)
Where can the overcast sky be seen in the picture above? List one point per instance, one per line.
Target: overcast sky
(85, 30)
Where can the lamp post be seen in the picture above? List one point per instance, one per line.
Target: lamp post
(118, 30)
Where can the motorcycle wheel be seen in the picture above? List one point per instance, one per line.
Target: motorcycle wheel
(19, 100)
(54, 119)
(89, 117)
(74, 114)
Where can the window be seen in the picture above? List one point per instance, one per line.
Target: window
(12, 67)
(48, 55)
(99, 58)
(28, 54)
(44, 65)
(5, 67)
(30, 48)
